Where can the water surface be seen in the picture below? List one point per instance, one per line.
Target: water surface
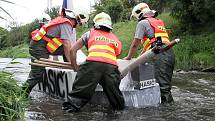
(193, 92)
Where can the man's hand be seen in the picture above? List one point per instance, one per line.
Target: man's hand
(126, 58)
(76, 67)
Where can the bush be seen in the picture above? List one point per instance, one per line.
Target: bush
(3, 34)
(194, 13)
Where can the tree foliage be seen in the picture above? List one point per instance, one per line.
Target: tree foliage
(53, 12)
(113, 7)
(193, 13)
(120, 10)
(159, 5)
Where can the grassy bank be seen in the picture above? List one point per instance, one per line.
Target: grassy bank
(12, 99)
(194, 51)
(20, 51)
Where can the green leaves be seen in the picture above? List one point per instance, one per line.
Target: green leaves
(194, 13)
(12, 98)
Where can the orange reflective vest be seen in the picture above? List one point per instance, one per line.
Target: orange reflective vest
(159, 30)
(103, 47)
(53, 43)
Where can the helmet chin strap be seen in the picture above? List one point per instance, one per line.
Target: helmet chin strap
(142, 18)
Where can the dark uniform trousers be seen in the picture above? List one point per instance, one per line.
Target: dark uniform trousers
(89, 76)
(37, 50)
(164, 65)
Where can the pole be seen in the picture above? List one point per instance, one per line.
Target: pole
(51, 64)
(54, 61)
(146, 57)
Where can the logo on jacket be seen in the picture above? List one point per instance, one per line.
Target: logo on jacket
(105, 39)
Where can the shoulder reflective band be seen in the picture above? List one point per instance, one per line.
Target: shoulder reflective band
(39, 34)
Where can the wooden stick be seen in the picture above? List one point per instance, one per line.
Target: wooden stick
(53, 64)
(44, 65)
(53, 61)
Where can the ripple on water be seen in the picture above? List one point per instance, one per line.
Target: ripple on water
(191, 104)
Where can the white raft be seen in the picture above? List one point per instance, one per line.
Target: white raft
(58, 83)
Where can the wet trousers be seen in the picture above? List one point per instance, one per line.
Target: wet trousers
(163, 70)
(37, 50)
(89, 76)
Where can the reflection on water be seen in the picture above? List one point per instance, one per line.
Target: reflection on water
(194, 95)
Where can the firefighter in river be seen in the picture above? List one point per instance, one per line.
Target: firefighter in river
(53, 38)
(150, 28)
(100, 66)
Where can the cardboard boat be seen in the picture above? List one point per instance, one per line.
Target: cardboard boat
(58, 83)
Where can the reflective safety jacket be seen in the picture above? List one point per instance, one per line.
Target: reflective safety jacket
(103, 47)
(159, 30)
(53, 43)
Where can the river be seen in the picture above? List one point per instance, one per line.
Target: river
(193, 92)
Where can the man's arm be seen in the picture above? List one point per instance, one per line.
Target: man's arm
(67, 34)
(75, 47)
(67, 46)
(134, 45)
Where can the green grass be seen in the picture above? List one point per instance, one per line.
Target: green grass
(195, 51)
(12, 99)
(125, 32)
(20, 51)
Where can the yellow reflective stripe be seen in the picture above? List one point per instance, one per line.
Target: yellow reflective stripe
(38, 36)
(42, 31)
(161, 34)
(51, 46)
(146, 42)
(106, 47)
(57, 41)
(101, 54)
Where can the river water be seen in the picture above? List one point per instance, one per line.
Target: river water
(193, 92)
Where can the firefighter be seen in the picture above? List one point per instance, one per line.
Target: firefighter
(42, 21)
(148, 29)
(100, 66)
(53, 38)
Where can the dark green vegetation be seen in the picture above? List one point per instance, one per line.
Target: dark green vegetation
(190, 20)
(12, 99)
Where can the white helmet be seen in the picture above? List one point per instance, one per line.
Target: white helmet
(102, 19)
(69, 13)
(142, 10)
(44, 19)
(80, 15)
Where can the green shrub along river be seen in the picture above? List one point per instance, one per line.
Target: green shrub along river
(195, 51)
